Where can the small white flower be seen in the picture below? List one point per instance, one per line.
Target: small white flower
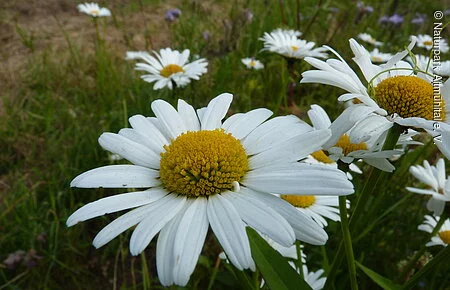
(379, 57)
(314, 279)
(443, 236)
(169, 67)
(286, 43)
(93, 10)
(252, 63)
(433, 176)
(427, 42)
(369, 39)
(187, 162)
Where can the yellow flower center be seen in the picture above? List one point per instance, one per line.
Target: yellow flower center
(408, 96)
(321, 157)
(445, 236)
(347, 146)
(252, 63)
(294, 48)
(170, 69)
(303, 201)
(202, 163)
(95, 12)
(428, 42)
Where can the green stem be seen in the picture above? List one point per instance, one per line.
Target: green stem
(368, 190)
(347, 242)
(299, 262)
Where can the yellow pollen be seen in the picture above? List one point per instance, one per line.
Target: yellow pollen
(408, 96)
(303, 201)
(294, 48)
(170, 69)
(376, 59)
(321, 157)
(347, 146)
(428, 42)
(95, 12)
(203, 163)
(252, 63)
(445, 236)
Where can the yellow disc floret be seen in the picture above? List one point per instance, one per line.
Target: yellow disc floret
(303, 201)
(170, 69)
(321, 157)
(407, 96)
(202, 163)
(294, 48)
(347, 146)
(445, 236)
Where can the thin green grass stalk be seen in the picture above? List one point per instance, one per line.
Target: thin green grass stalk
(299, 263)
(214, 273)
(145, 273)
(347, 242)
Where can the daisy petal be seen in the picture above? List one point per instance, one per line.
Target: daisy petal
(169, 118)
(115, 203)
(216, 111)
(248, 122)
(159, 213)
(230, 231)
(187, 113)
(117, 176)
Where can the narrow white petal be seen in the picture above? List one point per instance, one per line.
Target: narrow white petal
(232, 119)
(216, 111)
(420, 191)
(304, 227)
(274, 132)
(189, 240)
(132, 151)
(115, 203)
(169, 118)
(187, 113)
(146, 128)
(230, 231)
(261, 217)
(299, 178)
(319, 118)
(293, 149)
(248, 122)
(159, 213)
(117, 176)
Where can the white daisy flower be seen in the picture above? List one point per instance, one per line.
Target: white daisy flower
(252, 63)
(199, 172)
(443, 236)
(396, 91)
(369, 39)
(434, 177)
(287, 44)
(292, 32)
(355, 135)
(93, 10)
(427, 42)
(170, 67)
(132, 55)
(443, 69)
(379, 57)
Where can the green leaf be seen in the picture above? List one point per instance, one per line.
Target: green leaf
(275, 269)
(383, 282)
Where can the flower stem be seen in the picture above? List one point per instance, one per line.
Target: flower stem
(347, 242)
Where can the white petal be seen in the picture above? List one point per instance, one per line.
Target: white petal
(230, 231)
(420, 191)
(248, 122)
(146, 128)
(159, 213)
(189, 240)
(319, 118)
(380, 163)
(274, 132)
(230, 120)
(187, 113)
(115, 203)
(132, 151)
(436, 206)
(216, 111)
(261, 217)
(304, 227)
(293, 149)
(169, 118)
(117, 176)
(300, 178)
